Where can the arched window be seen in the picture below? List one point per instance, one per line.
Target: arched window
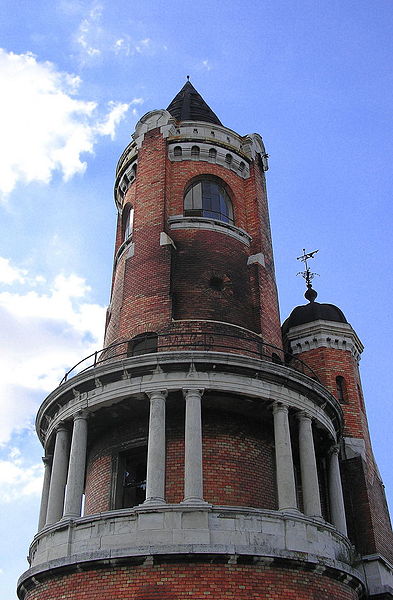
(128, 223)
(207, 197)
(145, 343)
(212, 154)
(177, 151)
(241, 167)
(228, 159)
(341, 389)
(195, 152)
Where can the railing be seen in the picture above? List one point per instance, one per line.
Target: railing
(192, 340)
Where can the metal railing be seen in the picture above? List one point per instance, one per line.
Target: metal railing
(193, 340)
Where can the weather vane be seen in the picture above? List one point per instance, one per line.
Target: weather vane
(307, 274)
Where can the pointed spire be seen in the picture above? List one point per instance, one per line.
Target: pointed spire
(188, 105)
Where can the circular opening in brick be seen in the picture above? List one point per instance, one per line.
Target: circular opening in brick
(217, 283)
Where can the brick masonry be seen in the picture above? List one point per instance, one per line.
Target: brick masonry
(369, 526)
(197, 580)
(158, 284)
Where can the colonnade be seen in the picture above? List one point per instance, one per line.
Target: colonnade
(65, 471)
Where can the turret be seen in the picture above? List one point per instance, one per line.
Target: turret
(319, 334)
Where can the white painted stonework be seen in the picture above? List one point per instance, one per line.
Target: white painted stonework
(180, 222)
(178, 529)
(327, 334)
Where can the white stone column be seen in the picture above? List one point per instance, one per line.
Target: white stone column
(308, 468)
(76, 468)
(155, 475)
(337, 509)
(59, 476)
(47, 460)
(193, 478)
(284, 462)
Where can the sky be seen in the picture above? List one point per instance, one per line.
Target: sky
(313, 77)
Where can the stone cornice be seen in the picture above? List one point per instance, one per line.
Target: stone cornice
(324, 334)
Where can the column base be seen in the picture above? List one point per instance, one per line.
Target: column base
(195, 502)
(291, 511)
(153, 502)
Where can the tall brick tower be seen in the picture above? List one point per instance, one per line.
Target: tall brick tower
(213, 457)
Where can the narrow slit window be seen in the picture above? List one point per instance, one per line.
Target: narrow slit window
(341, 389)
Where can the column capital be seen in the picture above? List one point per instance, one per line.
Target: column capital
(81, 414)
(335, 449)
(304, 416)
(61, 427)
(154, 394)
(280, 407)
(193, 391)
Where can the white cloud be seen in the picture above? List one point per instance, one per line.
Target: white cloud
(89, 31)
(44, 330)
(18, 480)
(10, 274)
(113, 118)
(206, 65)
(143, 45)
(44, 126)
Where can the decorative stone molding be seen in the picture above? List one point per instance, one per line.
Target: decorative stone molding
(379, 575)
(264, 382)
(237, 164)
(327, 334)
(354, 447)
(180, 528)
(256, 259)
(151, 120)
(253, 145)
(165, 240)
(180, 222)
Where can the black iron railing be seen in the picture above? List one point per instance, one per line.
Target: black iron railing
(192, 341)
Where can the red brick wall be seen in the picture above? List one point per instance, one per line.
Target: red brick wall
(142, 289)
(98, 485)
(203, 255)
(238, 461)
(102, 453)
(198, 580)
(367, 513)
(329, 363)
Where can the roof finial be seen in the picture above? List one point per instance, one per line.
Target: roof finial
(310, 294)
(188, 78)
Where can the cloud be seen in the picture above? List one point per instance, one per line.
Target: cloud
(89, 31)
(17, 479)
(206, 65)
(45, 328)
(95, 37)
(10, 274)
(44, 126)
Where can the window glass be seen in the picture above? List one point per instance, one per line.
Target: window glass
(341, 389)
(129, 224)
(131, 478)
(208, 198)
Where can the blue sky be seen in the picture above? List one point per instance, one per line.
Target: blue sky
(313, 78)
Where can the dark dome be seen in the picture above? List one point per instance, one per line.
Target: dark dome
(314, 311)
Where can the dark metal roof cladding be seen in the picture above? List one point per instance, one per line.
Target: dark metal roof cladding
(188, 105)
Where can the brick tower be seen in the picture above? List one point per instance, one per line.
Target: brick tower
(213, 457)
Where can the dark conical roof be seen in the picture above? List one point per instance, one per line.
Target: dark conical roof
(188, 105)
